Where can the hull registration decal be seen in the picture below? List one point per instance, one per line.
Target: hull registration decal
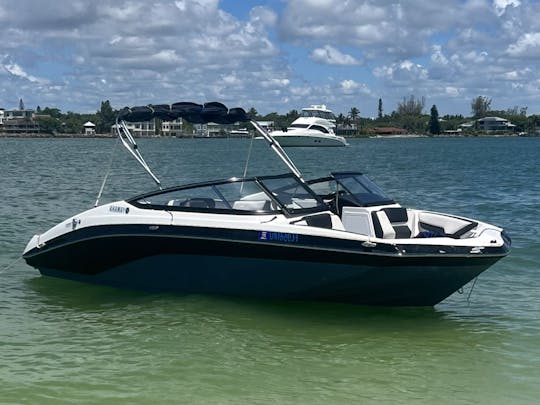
(278, 237)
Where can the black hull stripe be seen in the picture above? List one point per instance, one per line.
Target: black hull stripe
(284, 279)
(252, 238)
(92, 250)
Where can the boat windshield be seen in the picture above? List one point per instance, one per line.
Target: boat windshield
(319, 128)
(238, 196)
(362, 189)
(327, 115)
(299, 126)
(292, 194)
(241, 196)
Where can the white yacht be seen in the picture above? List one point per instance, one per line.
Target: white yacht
(315, 127)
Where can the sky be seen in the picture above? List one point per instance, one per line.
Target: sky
(274, 55)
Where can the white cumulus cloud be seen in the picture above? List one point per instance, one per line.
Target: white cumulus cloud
(352, 87)
(501, 5)
(404, 71)
(16, 70)
(527, 45)
(329, 55)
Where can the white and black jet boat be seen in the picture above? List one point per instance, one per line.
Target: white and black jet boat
(338, 238)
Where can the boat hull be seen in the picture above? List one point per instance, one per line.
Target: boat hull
(247, 267)
(309, 140)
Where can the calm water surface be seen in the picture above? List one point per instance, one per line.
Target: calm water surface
(65, 342)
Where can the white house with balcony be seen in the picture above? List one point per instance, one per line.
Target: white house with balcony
(489, 124)
(172, 128)
(209, 130)
(495, 124)
(18, 114)
(139, 129)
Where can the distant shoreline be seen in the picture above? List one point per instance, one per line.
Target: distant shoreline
(400, 136)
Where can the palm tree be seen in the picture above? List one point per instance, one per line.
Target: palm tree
(252, 113)
(354, 114)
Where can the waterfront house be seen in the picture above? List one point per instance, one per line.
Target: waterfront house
(386, 131)
(495, 124)
(18, 114)
(209, 130)
(139, 129)
(489, 124)
(172, 128)
(20, 126)
(18, 121)
(89, 128)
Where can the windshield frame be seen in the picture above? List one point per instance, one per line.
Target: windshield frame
(263, 185)
(371, 187)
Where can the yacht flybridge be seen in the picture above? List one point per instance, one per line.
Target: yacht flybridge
(338, 238)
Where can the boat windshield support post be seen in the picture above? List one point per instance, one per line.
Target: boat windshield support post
(129, 143)
(106, 175)
(276, 147)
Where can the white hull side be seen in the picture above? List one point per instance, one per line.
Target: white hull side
(309, 140)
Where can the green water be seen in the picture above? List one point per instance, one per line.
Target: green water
(63, 342)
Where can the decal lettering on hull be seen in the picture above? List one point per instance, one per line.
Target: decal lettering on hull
(278, 237)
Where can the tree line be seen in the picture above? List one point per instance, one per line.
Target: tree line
(409, 115)
(52, 120)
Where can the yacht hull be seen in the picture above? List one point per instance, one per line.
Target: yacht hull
(238, 263)
(309, 140)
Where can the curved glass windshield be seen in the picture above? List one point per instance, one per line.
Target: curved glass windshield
(319, 128)
(327, 115)
(362, 188)
(257, 195)
(292, 194)
(242, 196)
(299, 126)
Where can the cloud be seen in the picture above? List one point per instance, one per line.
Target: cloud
(384, 29)
(74, 53)
(451, 91)
(133, 50)
(17, 71)
(528, 45)
(501, 5)
(350, 87)
(263, 15)
(329, 55)
(402, 72)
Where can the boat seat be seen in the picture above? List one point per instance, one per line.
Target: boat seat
(344, 201)
(443, 225)
(391, 223)
(198, 202)
(317, 220)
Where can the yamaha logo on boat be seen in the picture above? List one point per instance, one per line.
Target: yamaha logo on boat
(278, 236)
(117, 208)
